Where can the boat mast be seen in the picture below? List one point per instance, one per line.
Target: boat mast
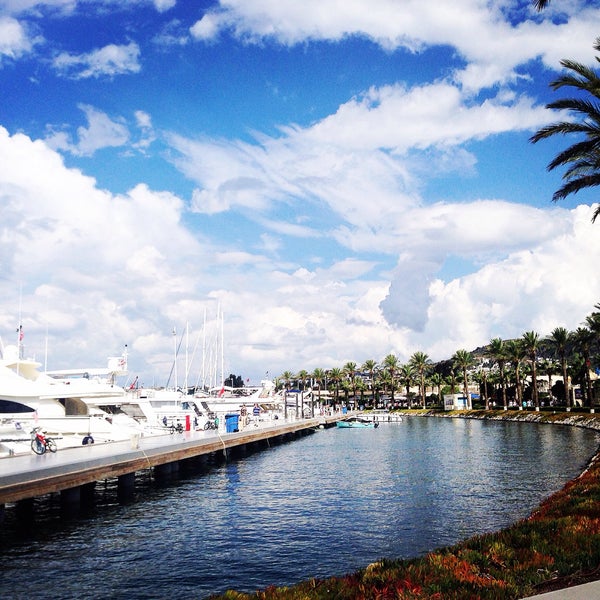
(222, 353)
(187, 340)
(175, 355)
(204, 352)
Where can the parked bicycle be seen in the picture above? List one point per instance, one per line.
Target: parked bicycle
(211, 424)
(177, 427)
(40, 443)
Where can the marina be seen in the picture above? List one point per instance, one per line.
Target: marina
(289, 512)
(71, 470)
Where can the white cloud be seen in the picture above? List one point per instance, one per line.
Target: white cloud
(164, 5)
(101, 132)
(108, 61)
(102, 270)
(14, 40)
(415, 25)
(536, 288)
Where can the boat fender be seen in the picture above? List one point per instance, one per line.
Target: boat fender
(88, 439)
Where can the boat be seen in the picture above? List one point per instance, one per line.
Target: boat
(72, 405)
(357, 423)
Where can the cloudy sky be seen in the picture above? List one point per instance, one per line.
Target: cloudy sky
(341, 180)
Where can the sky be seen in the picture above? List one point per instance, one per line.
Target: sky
(260, 186)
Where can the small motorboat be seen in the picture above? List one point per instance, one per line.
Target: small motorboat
(357, 423)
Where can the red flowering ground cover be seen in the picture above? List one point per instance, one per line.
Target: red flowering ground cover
(556, 547)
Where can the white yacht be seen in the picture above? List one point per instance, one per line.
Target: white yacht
(67, 404)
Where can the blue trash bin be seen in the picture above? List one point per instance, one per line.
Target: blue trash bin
(231, 423)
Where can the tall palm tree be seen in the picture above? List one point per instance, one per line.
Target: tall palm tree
(350, 370)
(515, 355)
(390, 364)
(436, 379)
(497, 351)
(387, 382)
(319, 377)
(370, 367)
(406, 375)
(336, 375)
(583, 339)
(481, 377)
(531, 344)
(451, 379)
(287, 377)
(420, 362)
(464, 360)
(303, 377)
(582, 159)
(558, 340)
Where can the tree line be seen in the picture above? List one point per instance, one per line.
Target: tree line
(507, 373)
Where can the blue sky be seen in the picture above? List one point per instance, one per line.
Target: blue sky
(341, 181)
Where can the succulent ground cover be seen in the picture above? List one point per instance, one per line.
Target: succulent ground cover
(557, 546)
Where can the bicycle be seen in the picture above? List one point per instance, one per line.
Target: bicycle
(211, 424)
(176, 428)
(40, 443)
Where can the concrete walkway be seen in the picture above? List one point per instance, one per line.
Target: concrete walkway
(587, 591)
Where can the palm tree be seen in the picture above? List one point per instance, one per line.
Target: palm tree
(436, 379)
(451, 379)
(370, 367)
(464, 360)
(336, 376)
(558, 340)
(287, 377)
(387, 382)
(481, 377)
(582, 159)
(497, 351)
(390, 364)
(319, 377)
(531, 344)
(541, 4)
(515, 355)
(350, 370)
(583, 339)
(407, 377)
(303, 377)
(420, 361)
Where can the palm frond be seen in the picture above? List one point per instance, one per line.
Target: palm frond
(588, 79)
(574, 186)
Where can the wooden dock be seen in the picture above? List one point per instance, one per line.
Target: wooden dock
(70, 470)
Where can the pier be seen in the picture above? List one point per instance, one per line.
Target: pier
(73, 471)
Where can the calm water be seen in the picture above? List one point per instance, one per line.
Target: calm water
(322, 505)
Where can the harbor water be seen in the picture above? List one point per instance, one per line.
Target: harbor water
(324, 504)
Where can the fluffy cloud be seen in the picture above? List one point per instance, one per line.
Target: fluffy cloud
(14, 40)
(416, 25)
(108, 61)
(102, 270)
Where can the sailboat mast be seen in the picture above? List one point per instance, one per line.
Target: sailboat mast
(222, 354)
(175, 354)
